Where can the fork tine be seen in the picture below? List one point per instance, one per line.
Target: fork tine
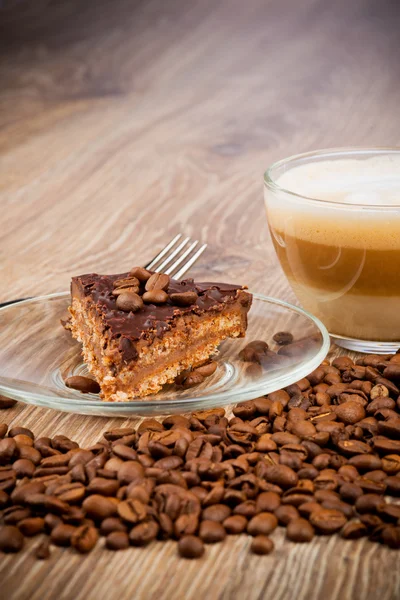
(190, 262)
(179, 260)
(169, 258)
(163, 251)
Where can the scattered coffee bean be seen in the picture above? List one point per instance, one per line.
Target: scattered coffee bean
(283, 338)
(261, 544)
(144, 533)
(157, 281)
(156, 296)
(117, 540)
(235, 524)
(208, 369)
(190, 546)
(11, 539)
(140, 273)
(83, 384)
(6, 402)
(184, 298)
(328, 521)
(322, 454)
(129, 302)
(211, 532)
(84, 538)
(262, 524)
(61, 534)
(299, 530)
(42, 551)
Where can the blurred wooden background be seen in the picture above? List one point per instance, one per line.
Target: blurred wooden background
(123, 122)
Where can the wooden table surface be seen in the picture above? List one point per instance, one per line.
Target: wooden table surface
(124, 122)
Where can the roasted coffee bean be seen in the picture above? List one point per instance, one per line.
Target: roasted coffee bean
(207, 369)
(157, 281)
(61, 534)
(350, 492)
(299, 530)
(112, 524)
(261, 544)
(184, 298)
(216, 512)
(24, 467)
(191, 379)
(129, 302)
(211, 532)
(328, 521)
(370, 486)
(140, 273)
(353, 530)
(343, 507)
(117, 540)
(130, 471)
(124, 282)
(117, 434)
(84, 538)
(235, 524)
(247, 509)
(186, 524)
(391, 537)
(391, 464)
(51, 521)
(4, 499)
(268, 502)
(83, 384)
(392, 485)
(156, 296)
(144, 533)
(99, 507)
(285, 513)
(102, 486)
(371, 522)
(283, 338)
(42, 551)
(262, 524)
(31, 526)
(350, 412)
(343, 363)
(190, 546)
(132, 510)
(8, 450)
(11, 539)
(6, 402)
(245, 410)
(308, 507)
(13, 514)
(389, 512)
(281, 475)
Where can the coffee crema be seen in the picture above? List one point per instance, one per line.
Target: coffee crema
(340, 245)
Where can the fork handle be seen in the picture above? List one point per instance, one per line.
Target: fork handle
(12, 302)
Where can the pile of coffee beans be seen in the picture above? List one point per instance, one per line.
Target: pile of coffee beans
(319, 457)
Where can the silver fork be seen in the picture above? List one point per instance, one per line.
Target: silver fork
(177, 257)
(181, 253)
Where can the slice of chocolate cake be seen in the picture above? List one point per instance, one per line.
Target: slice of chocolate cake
(139, 330)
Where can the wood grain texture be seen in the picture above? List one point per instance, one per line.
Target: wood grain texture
(124, 122)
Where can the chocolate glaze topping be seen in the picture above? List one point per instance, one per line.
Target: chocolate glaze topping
(151, 319)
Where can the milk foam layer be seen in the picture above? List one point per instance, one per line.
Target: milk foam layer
(371, 182)
(374, 180)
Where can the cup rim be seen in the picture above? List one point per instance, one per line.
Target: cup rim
(272, 185)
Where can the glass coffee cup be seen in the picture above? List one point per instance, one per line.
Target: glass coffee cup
(334, 218)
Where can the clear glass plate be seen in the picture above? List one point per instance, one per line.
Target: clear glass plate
(37, 354)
